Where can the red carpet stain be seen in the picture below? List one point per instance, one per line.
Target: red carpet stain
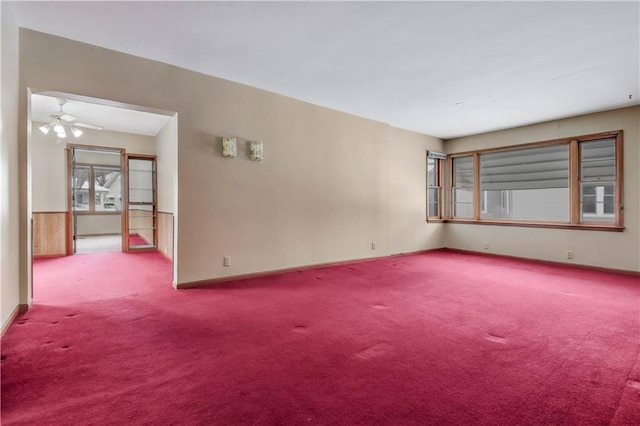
(2, 358)
(318, 278)
(300, 328)
(633, 384)
(497, 339)
(54, 322)
(65, 347)
(380, 306)
(375, 351)
(71, 315)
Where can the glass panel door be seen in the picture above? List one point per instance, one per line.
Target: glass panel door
(141, 206)
(80, 193)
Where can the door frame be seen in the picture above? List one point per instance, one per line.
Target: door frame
(125, 185)
(125, 218)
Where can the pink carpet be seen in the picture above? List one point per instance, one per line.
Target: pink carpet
(436, 338)
(137, 240)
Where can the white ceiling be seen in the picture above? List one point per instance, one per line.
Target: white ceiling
(447, 69)
(112, 118)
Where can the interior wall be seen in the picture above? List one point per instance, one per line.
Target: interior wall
(49, 161)
(167, 159)
(616, 250)
(104, 224)
(10, 213)
(321, 194)
(408, 189)
(167, 176)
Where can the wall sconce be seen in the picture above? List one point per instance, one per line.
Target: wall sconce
(229, 148)
(256, 150)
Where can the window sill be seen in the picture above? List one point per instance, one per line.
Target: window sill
(84, 213)
(583, 227)
(435, 220)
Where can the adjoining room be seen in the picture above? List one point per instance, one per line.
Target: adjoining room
(95, 191)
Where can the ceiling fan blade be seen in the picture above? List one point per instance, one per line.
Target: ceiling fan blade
(68, 118)
(88, 126)
(64, 117)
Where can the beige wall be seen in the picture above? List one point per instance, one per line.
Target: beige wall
(322, 193)
(49, 162)
(604, 249)
(167, 166)
(408, 181)
(99, 224)
(9, 198)
(167, 160)
(329, 185)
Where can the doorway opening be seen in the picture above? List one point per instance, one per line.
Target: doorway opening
(141, 206)
(102, 184)
(96, 199)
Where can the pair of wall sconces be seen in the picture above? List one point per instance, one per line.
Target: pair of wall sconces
(230, 149)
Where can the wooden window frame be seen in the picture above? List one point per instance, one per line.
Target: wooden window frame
(475, 208)
(70, 213)
(440, 185)
(575, 222)
(92, 192)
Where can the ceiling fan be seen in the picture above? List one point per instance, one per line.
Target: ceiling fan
(63, 123)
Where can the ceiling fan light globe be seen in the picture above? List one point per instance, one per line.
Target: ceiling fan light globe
(58, 128)
(45, 128)
(76, 132)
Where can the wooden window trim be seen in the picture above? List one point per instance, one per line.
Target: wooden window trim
(476, 186)
(440, 180)
(92, 191)
(523, 224)
(575, 222)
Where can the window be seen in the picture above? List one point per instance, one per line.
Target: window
(528, 184)
(567, 183)
(434, 185)
(462, 194)
(598, 181)
(102, 184)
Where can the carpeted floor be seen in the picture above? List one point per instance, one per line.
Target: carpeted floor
(435, 338)
(137, 240)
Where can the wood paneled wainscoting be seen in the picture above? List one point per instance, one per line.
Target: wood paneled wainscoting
(165, 234)
(50, 234)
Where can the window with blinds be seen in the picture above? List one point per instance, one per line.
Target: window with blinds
(528, 185)
(570, 183)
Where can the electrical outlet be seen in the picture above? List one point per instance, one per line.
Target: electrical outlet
(486, 246)
(373, 245)
(569, 254)
(164, 249)
(227, 261)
